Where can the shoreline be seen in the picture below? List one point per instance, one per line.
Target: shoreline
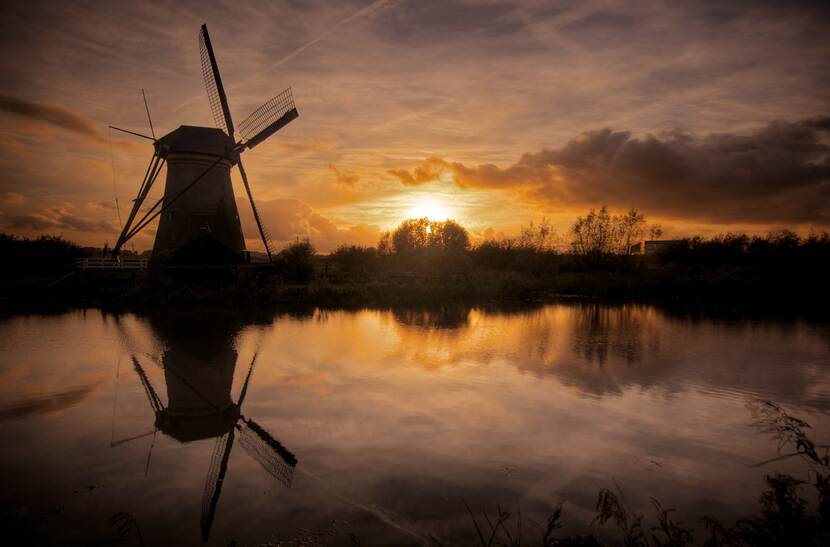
(426, 293)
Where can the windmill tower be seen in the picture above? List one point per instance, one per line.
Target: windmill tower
(199, 221)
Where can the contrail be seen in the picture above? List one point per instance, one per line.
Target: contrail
(359, 13)
(376, 512)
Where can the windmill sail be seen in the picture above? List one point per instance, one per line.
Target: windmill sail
(269, 118)
(215, 478)
(213, 84)
(152, 396)
(274, 458)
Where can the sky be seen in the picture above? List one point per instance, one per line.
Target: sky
(708, 117)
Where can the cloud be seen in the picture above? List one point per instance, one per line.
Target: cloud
(52, 114)
(289, 219)
(12, 198)
(343, 178)
(105, 204)
(55, 115)
(55, 218)
(428, 170)
(514, 77)
(305, 146)
(779, 173)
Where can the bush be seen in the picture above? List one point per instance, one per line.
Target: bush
(353, 260)
(515, 256)
(44, 255)
(296, 262)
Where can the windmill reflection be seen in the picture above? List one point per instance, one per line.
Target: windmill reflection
(198, 369)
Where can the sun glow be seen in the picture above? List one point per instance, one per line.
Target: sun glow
(431, 208)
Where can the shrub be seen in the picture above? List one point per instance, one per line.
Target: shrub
(46, 254)
(296, 262)
(354, 260)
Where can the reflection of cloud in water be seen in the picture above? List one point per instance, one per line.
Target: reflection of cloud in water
(401, 414)
(45, 404)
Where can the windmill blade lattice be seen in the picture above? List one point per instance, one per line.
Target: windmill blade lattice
(274, 458)
(213, 481)
(213, 84)
(269, 118)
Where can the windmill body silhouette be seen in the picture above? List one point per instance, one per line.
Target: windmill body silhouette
(198, 217)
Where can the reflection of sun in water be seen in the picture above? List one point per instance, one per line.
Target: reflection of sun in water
(430, 208)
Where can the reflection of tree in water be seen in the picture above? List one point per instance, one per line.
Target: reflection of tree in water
(440, 317)
(199, 361)
(600, 330)
(597, 348)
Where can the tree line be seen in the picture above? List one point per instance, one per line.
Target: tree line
(596, 238)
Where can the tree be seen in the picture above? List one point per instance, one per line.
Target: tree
(422, 233)
(297, 261)
(411, 235)
(631, 227)
(385, 245)
(656, 231)
(353, 260)
(541, 237)
(595, 234)
(449, 236)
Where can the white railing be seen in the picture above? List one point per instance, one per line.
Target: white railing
(112, 263)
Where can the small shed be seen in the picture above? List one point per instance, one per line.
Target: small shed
(650, 246)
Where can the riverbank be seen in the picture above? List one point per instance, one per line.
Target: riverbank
(779, 271)
(786, 292)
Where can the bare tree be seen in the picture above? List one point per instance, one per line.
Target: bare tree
(631, 227)
(656, 231)
(599, 233)
(595, 234)
(540, 237)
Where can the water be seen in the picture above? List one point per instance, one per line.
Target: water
(395, 418)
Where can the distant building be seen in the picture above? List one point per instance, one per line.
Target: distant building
(650, 246)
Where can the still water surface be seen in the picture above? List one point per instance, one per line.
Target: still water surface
(381, 423)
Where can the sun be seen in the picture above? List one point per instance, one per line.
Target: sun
(431, 208)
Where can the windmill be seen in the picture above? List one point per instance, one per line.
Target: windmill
(199, 407)
(203, 226)
(199, 362)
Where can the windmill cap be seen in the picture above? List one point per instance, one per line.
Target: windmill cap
(195, 140)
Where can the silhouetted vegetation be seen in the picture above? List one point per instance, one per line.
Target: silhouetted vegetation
(793, 510)
(44, 255)
(295, 263)
(422, 234)
(426, 261)
(354, 261)
(595, 260)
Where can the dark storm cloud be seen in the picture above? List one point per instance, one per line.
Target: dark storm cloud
(52, 114)
(779, 173)
(56, 218)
